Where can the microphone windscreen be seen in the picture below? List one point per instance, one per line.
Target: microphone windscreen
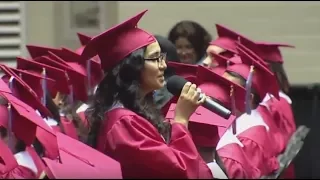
(175, 84)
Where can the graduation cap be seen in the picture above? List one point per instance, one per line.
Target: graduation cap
(271, 51)
(219, 70)
(84, 39)
(227, 38)
(21, 119)
(92, 66)
(221, 89)
(256, 74)
(34, 80)
(37, 51)
(87, 163)
(230, 94)
(9, 167)
(23, 91)
(224, 61)
(118, 42)
(76, 73)
(4, 87)
(205, 126)
(54, 73)
(187, 71)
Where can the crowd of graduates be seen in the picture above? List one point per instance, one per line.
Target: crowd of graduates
(104, 111)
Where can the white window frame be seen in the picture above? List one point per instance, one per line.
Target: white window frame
(22, 35)
(70, 33)
(23, 26)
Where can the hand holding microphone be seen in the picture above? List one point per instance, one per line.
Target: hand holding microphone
(190, 99)
(188, 102)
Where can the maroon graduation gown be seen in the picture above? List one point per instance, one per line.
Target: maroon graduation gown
(142, 151)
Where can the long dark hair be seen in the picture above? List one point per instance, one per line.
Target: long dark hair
(121, 84)
(256, 98)
(51, 106)
(280, 73)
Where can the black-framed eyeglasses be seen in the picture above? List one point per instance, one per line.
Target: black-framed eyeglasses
(160, 58)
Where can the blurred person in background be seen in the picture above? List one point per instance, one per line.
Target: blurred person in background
(191, 41)
(162, 96)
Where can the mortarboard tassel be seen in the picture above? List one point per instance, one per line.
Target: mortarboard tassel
(44, 86)
(228, 63)
(233, 109)
(89, 91)
(248, 90)
(70, 88)
(10, 138)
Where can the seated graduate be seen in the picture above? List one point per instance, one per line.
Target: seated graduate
(18, 126)
(251, 129)
(71, 123)
(72, 109)
(24, 92)
(216, 144)
(124, 122)
(279, 131)
(60, 73)
(280, 110)
(228, 41)
(277, 113)
(64, 150)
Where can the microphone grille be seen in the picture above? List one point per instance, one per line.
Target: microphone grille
(175, 84)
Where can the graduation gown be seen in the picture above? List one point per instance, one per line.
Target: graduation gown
(253, 133)
(81, 161)
(11, 169)
(50, 122)
(235, 161)
(143, 152)
(81, 113)
(68, 127)
(281, 113)
(282, 123)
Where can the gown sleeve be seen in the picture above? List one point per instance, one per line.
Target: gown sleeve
(236, 163)
(68, 127)
(234, 159)
(283, 116)
(255, 147)
(276, 135)
(19, 172)
(138, 146)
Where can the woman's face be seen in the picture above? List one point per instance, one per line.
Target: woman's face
(238, 81)
(60, 100)
(152, 76)
(185, 50)
(233, 79)
(209, 60)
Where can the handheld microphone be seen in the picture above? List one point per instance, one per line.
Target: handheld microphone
(175, 84)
